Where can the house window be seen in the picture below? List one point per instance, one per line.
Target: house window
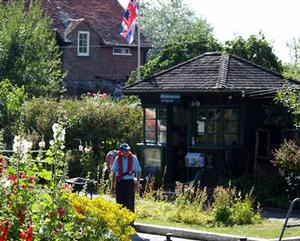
(217, 126)
(121, 51)
(83, 43)
(155, 125)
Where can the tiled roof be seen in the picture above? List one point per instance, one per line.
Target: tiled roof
(211, 72)
(105, 16)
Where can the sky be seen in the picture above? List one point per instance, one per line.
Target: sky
(278, 20)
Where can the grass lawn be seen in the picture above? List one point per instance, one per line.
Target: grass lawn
(268, 229)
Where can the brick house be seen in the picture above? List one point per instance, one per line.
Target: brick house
(94, 55)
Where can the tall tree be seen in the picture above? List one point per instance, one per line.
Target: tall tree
(292, 69)
(29, 55)
(290, 97)
(180, 49)
(255, 49)
(163, 21)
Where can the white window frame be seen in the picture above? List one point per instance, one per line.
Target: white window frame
(87, 53)
(124, 51)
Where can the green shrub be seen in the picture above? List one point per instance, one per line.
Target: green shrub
(287, 159)
(98, 217)
(221, 205)
(242, 212)
(190, 196)
(97, 120)
(230, 208)
(189, 215)
(11, 101)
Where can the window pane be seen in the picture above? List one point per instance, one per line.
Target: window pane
(231, 139)
(162, 114)
(150, 113)
(201, 115)
(150, 136)
(200, 140)
(231, 114)
(152, 161)
(213, 126)
(162, 125)
(213, 114)
(150, 125)
(230, 126)
(162, 137)
(83, 43)
(156, 124)
(212, 139)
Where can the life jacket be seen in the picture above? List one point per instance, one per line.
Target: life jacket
(120, 165)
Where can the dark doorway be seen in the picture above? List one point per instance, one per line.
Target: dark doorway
(179, 142)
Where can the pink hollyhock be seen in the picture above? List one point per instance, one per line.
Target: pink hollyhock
(27, 235)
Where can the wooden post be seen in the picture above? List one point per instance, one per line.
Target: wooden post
(255, 153)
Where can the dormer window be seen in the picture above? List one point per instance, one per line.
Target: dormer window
(83, 48)
(121, 51)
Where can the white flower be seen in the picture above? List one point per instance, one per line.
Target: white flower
(42, 144)
(87, 149)
(55, 127)
(80, 148)
(17, 144)
(6, 184)
(21, 145)
(58, 132)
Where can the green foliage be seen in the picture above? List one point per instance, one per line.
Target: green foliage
(278, 116)
(189, 205)
(36, 209)
(87, 121)
(11, 100)
(287, 159)
(255, 49)
(269, 186)
(289, 96)
(230, 208)
(178, 50)
(292, 69)
(163, 21)
(190, 195)
(192, 206)
(29, 55)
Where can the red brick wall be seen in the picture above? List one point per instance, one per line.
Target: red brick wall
(101, 63)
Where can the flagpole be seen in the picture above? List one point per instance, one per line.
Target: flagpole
(139, 41)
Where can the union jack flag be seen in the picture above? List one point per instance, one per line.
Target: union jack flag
(129, 22)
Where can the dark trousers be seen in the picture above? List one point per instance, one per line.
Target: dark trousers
(125, 193)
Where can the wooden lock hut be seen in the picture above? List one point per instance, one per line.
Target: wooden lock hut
(208, 114)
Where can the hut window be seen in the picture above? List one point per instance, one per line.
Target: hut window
(231, 126)
(155, 125)
(208, 126)
(217, 126)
